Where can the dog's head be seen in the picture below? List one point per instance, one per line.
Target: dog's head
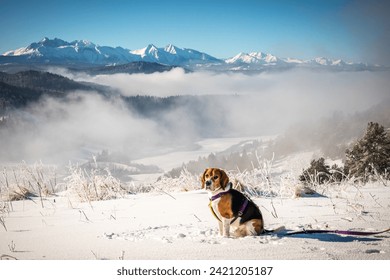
(214, 178)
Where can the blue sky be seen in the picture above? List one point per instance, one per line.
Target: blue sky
(347, 29)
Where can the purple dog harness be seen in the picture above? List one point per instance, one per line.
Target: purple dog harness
(240, 212)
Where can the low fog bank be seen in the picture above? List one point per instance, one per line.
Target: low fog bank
(271, 100)
(72, 128)
(187, 107)
(305, 83)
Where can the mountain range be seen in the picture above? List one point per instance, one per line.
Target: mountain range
(82, 53)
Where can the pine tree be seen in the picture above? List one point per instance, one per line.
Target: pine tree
(320, 173)
(370, 155)
(317, 173)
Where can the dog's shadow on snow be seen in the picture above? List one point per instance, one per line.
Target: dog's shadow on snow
(331, 237)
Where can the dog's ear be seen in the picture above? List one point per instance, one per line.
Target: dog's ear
(202, 178)
(224, 179)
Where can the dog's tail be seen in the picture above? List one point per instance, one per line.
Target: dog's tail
(275, 230)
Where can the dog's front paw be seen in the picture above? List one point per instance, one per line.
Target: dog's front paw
(223, 235)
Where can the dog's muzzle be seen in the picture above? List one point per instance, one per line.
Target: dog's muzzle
(208, 184)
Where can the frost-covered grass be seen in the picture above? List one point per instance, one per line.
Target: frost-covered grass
(268, 178)
(24, 181)
(18, 182)
(259, 181)
(93, 185)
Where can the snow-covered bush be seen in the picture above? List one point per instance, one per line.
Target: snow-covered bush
(369, 158)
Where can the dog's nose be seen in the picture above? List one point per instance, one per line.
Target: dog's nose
(208, 183)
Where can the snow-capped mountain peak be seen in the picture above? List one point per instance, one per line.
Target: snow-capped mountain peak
(322, 61)
(46, 42)
(173, 55)
(240, 58)
(253, 58)
(44, 39)
(329, 62)
(79, 51)
(144, 52)
(83, 43)
(58, 51)
(258, 55)
(171, 49)
(83, 51)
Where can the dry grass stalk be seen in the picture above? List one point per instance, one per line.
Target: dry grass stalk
(2, 222)
(27, 182)
(20, 194)
(92, 186)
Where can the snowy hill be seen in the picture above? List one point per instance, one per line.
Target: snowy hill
(81, 52)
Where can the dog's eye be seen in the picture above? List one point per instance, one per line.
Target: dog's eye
(215, 177)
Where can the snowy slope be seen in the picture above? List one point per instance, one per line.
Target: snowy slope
(168, 224)
(180, 226)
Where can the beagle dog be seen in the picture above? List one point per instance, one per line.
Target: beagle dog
(231, 207)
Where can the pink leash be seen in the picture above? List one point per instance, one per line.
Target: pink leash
(343, 232)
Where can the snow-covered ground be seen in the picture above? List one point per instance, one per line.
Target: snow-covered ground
(179, 225)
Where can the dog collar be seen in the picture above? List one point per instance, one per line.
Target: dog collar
(218, 195)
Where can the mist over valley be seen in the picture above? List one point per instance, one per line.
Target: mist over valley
(72, 116)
